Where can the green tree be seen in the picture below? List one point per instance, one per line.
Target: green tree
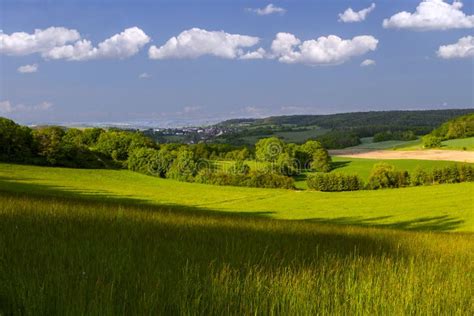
(269, 149)
(384, 175)
(430, 141)
(16, 142)
(49, 142)
(184, 167)
(321, 161)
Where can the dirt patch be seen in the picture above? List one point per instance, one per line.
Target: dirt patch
(451, 155)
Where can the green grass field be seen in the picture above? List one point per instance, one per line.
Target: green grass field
(452, 144)
(295, 136)
(92, 255)
(108, 242)
(362, 167)
(441, 207)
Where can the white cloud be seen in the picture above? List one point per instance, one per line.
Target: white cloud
(197, 42)
(432, 15)
(21, 43)
(8, 107)
(120, 46)
(367, 62)
(26, 69)
(269, 9)
(463, 48)
(144, 76)
(350, 15)
(257, 54)
(328, 50)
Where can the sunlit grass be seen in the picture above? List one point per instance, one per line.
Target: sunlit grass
(78, 256)
(439, 207)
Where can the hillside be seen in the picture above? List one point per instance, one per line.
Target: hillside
(446, 207)
(390, 119)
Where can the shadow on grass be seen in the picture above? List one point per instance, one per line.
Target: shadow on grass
(15, 186)
(339, 164)
(442, 223)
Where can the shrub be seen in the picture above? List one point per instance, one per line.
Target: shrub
(430, 141)
(420, 177)
(331, 182)
(384, 175)
(256, 179)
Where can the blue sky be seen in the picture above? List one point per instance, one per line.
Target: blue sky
(208, 79)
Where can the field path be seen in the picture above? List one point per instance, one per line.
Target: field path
(451, 155)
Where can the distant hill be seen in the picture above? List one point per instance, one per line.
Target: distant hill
(422, 121)
(459, 127)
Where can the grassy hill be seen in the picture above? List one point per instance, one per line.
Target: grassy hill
(441, 207)
(102, 242)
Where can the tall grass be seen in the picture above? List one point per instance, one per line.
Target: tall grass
(71, 256)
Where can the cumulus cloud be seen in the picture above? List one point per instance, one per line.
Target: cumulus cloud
(269, 9)
(350, 15)
(257, 54)
(463, 48)
(432, 15)
(197, 42)
(144, 75)
(329, 50)
(367, 62)
(40, 41)
(120, 46)
(26, 69)
(8, 107)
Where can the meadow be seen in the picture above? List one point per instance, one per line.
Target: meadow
(440, 207)
(85, 254)
(451, 144)
(116, 242)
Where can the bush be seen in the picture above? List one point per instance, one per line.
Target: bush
(384, 175)
(332, 182)
(430, 141)
(420, 177)
(256, 179)
(184, 167)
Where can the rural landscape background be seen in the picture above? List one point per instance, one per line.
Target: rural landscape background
(271, 168)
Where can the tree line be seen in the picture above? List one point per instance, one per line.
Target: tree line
(460, 127)
(100, 148)
(384, 176)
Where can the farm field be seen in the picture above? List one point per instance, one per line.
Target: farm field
(76, 244)
(451, 144)
(294, 136)
(362, 167)
(440, 207)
